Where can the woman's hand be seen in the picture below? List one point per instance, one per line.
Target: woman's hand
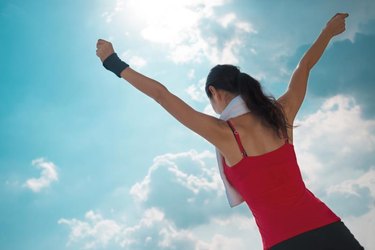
(295, 94)
(336, 25)
(104, 49)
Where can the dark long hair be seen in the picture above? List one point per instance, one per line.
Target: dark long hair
(231, 79)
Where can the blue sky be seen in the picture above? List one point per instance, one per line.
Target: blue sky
(87, 162)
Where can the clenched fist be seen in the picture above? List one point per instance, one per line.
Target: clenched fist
(110, 60)
(104, 49)
(336, 25)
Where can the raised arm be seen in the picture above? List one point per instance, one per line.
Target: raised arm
(207, 126)
(292, 99)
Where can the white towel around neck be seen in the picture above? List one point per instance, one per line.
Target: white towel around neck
(236, 107)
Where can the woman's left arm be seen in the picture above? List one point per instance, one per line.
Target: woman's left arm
(209, 127)
(292, 99)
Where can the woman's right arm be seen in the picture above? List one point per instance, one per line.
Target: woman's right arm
(211, 128)
(292, 99)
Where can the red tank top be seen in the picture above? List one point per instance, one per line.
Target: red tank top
(271, 184)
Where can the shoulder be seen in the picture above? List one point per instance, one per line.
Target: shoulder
(287, 108)
(289, 117)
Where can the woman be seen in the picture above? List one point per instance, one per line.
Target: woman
(254, 142)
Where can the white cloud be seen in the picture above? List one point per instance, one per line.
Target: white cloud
(193, 31)
(363, 227)
(93, 232)
(197, 91)
(191, 74)
(246, 27)
(108, 15)
(201, 178)
(47, 176)
(226, 55)
(154, 231)
(227, 19)
(137, 62)
(185, 53)
(192, 180)
(335, 140)
(253, 51)
(178, 24)
(366, 180)
(140, 190)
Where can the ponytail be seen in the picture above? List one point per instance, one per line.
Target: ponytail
(265, 107)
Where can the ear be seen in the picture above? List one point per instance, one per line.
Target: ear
(216, 93)
(212, 90)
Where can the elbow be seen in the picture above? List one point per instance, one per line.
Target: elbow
(161, 94)
(304, 65)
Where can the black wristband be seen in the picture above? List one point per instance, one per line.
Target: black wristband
(113, 63)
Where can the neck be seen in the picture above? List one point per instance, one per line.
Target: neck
(227, 99)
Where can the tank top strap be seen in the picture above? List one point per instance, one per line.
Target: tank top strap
(237, 136)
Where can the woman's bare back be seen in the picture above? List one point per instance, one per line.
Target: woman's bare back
(256, 138)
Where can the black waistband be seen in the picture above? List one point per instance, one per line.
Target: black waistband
(332, 236)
